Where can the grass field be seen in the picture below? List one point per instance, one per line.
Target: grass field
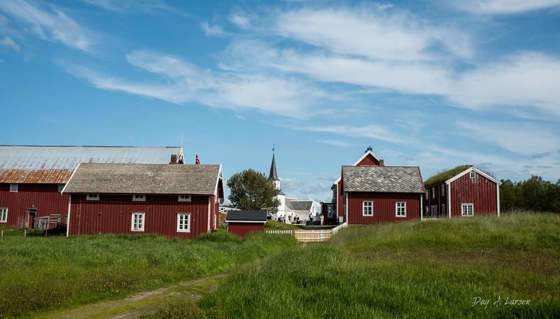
(40, 274)
(468, 268)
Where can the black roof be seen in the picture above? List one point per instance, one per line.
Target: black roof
(247, 215)
(273, 175)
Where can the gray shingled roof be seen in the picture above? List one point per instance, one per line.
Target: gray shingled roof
(382, 179)
(144, 179)
(299, 204)
(246, 216)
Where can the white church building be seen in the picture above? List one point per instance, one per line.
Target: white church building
(290, 210)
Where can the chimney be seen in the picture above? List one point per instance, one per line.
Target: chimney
(173, 159)
(381, 162)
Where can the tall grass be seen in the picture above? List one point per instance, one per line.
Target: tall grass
(39, 274)
(409, 270)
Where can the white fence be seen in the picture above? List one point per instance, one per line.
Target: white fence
(308, 235)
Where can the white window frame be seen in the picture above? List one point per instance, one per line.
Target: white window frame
(463, 206)
(14, 188)
(60, 187)
(397, 209)
(370, 202)
(184, 198)
(143, 221)
(3, 215)
(183, 230)
(92, 197)
(138, 198)
(472, 174)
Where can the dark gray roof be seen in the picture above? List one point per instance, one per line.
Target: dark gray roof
(247, 216)
(382, 179)
(299, 204)
(144, 179)
(54, 164)
(273, 174)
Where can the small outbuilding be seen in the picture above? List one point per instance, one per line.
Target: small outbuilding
(241, 222)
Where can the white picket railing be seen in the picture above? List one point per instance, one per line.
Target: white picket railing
(280, 232)
(308, 235)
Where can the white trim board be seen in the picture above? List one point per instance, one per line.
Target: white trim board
(468, 170)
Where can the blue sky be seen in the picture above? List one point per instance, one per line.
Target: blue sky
(429, 83)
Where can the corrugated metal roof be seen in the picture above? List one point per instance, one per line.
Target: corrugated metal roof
(174, 179)
(54, 164)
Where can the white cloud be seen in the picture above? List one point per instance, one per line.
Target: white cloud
(519, 138)
(335, 143)
(181, 82)
(371, 131)
(523, 80)
(130, 5)
(491, 7)
(240, 21)
(370, 33)
(10, 43)
(49, 24)
(212, 30)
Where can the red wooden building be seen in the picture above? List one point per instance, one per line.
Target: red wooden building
(370, 192)
(368, 159)
(463, 191)
(32, 177)
(243, 222)
(164, 199)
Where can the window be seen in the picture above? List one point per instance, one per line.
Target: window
(92, 197)
(400, 209)
(3, 215)
(60, 187)
(137, 222)
(184, 198)
(427, 194)
(472, 174)
(367, 208)
(183, 223)
(434, 192)
(443, 208)
(467, 209)
(434, 210)
(442, 190)
(14, 188)
(138, 198)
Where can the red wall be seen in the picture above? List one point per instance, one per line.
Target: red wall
(479, 191)
(45, 198)
(243, 228)
(369, 160)
(113, 213)
(384, 207)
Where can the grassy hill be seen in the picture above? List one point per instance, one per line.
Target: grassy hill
(39, 274)
(468, 268)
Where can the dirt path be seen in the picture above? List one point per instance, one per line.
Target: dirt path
(143, 303)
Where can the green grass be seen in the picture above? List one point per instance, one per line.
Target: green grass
(40, 274)
(432, 269)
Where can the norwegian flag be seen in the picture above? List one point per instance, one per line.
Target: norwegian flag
(196, 160)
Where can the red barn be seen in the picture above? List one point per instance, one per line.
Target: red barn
(241, 222)
(368, 159)
(172, 200)
(374, 194)
(463, 191)
(32, 177)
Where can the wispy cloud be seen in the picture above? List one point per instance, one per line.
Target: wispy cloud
(10, 43)
(49, 23)
(131, 5)
(212, 30)
(180, 82)
(491, 7)
(335, 143)
(240, 20)
(517, 138)
(372, 131)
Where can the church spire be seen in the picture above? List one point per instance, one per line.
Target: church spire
(273, 175)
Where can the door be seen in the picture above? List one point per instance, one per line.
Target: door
(31, 215)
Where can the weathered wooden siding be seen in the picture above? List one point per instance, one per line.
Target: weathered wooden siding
(480, 191)
(440, 200)
(384, 207)
(113, 214)
(244, 228)
(45, 198)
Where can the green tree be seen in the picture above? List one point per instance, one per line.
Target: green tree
(251, 190)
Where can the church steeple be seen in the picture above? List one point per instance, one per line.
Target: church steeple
(273, 175)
